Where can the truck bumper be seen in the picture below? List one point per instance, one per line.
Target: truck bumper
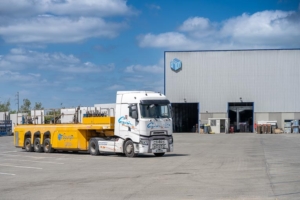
(142, 148)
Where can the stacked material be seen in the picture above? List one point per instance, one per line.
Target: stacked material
(268, 128)
(273, 127)
(278, 131)
(207, 129)
(242, 127)
(5, 127)
(258, 129)
(287, 127)
(295, 126)
(295, 129)
(264, 128)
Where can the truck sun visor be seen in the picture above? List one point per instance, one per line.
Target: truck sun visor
(164, 101)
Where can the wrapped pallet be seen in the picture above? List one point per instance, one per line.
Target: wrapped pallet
(268, 128)
(258, 129)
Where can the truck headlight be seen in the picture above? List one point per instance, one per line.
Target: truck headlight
(170, 140)
(144, 142)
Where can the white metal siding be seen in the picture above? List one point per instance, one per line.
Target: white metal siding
(269, 78)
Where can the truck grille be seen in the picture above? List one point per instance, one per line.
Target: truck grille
(158, 132)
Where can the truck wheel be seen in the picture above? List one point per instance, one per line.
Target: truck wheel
(129, 149)
(37, 145)
(47, 146)
(94, 148)
(159, 154)
(27, 145)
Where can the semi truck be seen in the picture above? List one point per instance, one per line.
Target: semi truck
(142, 123)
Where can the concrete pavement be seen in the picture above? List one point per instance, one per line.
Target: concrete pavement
(220, 166)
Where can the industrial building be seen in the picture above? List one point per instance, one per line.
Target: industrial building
(245, 86)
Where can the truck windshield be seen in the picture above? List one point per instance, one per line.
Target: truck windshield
(155, 111)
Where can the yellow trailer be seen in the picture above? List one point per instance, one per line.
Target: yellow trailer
(141, 122)
(71, 137)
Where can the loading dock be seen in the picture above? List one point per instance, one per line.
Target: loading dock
(241, 116)
(185, 116)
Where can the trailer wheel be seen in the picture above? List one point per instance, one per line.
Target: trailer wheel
(47, 146)
(159, 154)
(94, 148)
(37, 145)
(27, 145)
(129, 149)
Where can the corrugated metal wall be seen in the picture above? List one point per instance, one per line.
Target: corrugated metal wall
(269, 78)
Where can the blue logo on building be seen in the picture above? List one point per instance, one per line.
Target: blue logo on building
(176, 64)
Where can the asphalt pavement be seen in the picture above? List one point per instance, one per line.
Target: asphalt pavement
(242, 166)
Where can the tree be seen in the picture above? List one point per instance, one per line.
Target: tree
(26, 105)
(5, 107)
(38, 106)
(13, 112)
(49, 116)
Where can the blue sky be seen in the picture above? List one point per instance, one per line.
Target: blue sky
(80, 52)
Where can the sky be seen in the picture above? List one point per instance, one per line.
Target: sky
(65, 53)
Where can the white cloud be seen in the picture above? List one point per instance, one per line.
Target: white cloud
(10, 76)
(88, 68)
(153, 6)
(195, 23)
(58, 30)
(171, 40)
(35, 75)
(140, 71)
(61, 21)
(27, 8)
(20, 59)
(115, 87)
(145, 69)
(74, 89)
(267, 29)
(145, 77)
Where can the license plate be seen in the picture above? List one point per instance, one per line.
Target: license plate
(159, 150)
(158, 146)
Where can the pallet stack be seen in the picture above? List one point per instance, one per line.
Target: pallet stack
(295, 126)
(287, 127)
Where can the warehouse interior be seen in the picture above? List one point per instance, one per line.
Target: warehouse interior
(241, 115)
(185, 116)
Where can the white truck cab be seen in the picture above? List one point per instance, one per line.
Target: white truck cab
(143, 123)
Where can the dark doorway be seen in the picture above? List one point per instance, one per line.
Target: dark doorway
(185, 117)
(241, 116)
(222, 126)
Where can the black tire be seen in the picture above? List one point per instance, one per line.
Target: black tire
(129, 149)
(159, 154)
(94, 148)
(27, 145)
(47, 146)
(37, 145)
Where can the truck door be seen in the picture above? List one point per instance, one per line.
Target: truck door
(127, 123)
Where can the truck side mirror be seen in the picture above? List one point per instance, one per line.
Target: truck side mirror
(134, 114)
